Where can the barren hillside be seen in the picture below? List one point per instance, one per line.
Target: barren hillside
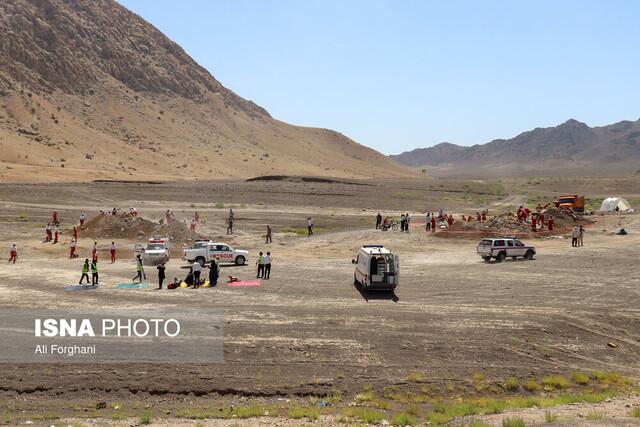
(89, 90)
(570, 148)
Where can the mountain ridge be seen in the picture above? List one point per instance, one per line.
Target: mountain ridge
(570, 146)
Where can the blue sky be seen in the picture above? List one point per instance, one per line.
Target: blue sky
(397, 75)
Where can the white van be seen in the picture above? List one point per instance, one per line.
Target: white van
(376, 268)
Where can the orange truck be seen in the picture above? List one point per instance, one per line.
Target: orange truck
(573, 202)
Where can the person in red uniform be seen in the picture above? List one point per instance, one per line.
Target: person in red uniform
(433, 224)
(13, 253)
(484, 216)
(533, 223)
(551, 223)
(113, 252)
(47, 232)
(72, 249)
(54, 217)
(55, 234)
(478, 217)
(94, 252)
(541, 220)
(450, 220)
(75, 232)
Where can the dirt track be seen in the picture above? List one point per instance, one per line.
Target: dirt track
(308, 330)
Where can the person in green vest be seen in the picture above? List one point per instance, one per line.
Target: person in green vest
(85, 272)
(139, 270)
(260, 263)
(214, 271)
(94, 272)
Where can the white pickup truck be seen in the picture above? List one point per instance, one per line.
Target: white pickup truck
(502, 247)
(205, 252)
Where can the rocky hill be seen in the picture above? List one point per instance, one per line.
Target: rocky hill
(89, 90)
(570, 148)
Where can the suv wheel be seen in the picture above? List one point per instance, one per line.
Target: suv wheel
(501, 256)
(486, 258)
(240, 260)
(529, 254)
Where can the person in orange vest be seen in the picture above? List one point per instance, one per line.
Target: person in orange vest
(113, 252)
(533, 223)
(72, 249)
(433, 223)
(541, 220)
(75, 232)
(551, 223)
(94, 252)
(55, 234)
(13, 253)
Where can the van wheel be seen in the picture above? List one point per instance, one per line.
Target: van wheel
(201, 261)
(529, 254)
(501, 256)
(240, 260)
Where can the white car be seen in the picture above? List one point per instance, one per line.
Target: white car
(204, 252)
(376, 268)
(156, 251)
(500, 248)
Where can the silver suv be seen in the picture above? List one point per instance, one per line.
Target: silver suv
(500, 248)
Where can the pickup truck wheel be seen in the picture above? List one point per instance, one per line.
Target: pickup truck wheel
(501, 256)
(201, 260)
(240, 260)
(529, 254)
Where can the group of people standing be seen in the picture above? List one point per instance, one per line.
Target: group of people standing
(264, 266)
(577, 235)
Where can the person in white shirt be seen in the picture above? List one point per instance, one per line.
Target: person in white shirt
(197, 268)
(113, 252)
(574, 236)
(267, 265)
(82, 218)
(309, 226)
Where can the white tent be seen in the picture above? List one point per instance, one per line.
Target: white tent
(611, 204)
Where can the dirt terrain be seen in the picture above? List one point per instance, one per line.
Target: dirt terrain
(308, 331)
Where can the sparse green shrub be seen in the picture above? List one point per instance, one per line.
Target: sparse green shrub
(513, 422)
(511, 384)
(146, 417)
(555, 382)
(531, 385)
(403, 419)
(579, 378)
(550, 418)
